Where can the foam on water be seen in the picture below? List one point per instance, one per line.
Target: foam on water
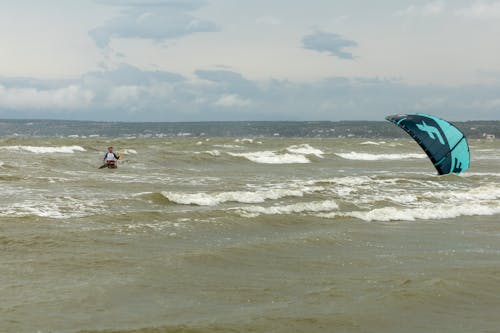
(45, 150)
(433, 212)
(378, 157)
(481, 193)
(129, 151)
(258, 196)
(295, 154)
(305, 149)
(227, 146)
(244, 140)
(271, 157)
(300, 207)
(213, 153)
(56, 208)
(372, 143)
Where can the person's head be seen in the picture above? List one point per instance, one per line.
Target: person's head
(110, 149)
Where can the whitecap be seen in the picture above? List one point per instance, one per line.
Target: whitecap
(271, 157)
(213, 199)
(227, 146)
(434, 212)
(300, 207)
(377, 157)
(305, 149)
(372, 143)
(129, 151)
(45, 150)
(481, 193)
(213, 153)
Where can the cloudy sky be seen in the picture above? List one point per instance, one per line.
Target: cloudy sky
(196, 60)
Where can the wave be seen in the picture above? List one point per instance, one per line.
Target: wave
(372, 143)
(378, 157)
(213, 199)
(296, 154)
(271, 157)
(227, 146)
(432, 212)
(301, 207)
(305, 149)
(129, 151)
(245, 140)
(481, 193)
(45, 150)
(58, 208)
(213, 153)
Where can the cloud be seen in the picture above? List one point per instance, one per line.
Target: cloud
(480, 10)
(130, 75)
(128, 93)
(228, 81)
(155, 20)
(186, 4)
(232, 100)
(331, 43)
(220, 76)
(65, 98)
(433, 8)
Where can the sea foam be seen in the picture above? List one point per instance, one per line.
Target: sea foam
(45, 150)
(271, 157)
(305, 149)
(378, 157)
(294, 154)
(300, 207)
(433, 212)
(213, 199)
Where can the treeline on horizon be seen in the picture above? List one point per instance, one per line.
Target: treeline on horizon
(324, 129)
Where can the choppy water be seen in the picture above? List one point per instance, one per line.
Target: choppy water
(261, 235)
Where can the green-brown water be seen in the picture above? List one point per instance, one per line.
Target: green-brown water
(241, 235)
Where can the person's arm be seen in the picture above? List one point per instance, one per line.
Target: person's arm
(116, 156)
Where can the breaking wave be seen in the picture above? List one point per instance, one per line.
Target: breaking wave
(45, 150)
(213, 199)
(305, 149)
(271, 157)
(296, 154)
(300, 207)
(378, 157)
(433, 212)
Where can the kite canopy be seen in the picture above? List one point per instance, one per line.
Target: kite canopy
(445, 145)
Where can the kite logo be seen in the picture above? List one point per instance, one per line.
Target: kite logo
(432, 131)
(458, 166)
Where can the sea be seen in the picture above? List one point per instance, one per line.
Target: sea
(246, 234)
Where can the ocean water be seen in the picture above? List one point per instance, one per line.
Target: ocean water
(246, 235)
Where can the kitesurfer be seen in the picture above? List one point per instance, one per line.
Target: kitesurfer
(110, 158)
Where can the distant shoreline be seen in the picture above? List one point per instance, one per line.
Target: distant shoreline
(313, 129)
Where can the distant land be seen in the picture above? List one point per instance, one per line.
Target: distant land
(322, 129)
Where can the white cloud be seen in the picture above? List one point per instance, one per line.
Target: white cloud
(232, 100)
(141, 95)
(124, 94)
(480, 10)
(71, 97)
(156, 20)
(328, 42)
(433, 8)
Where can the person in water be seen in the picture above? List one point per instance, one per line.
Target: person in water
(110, 158)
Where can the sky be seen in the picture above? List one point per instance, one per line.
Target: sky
(236, 60)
